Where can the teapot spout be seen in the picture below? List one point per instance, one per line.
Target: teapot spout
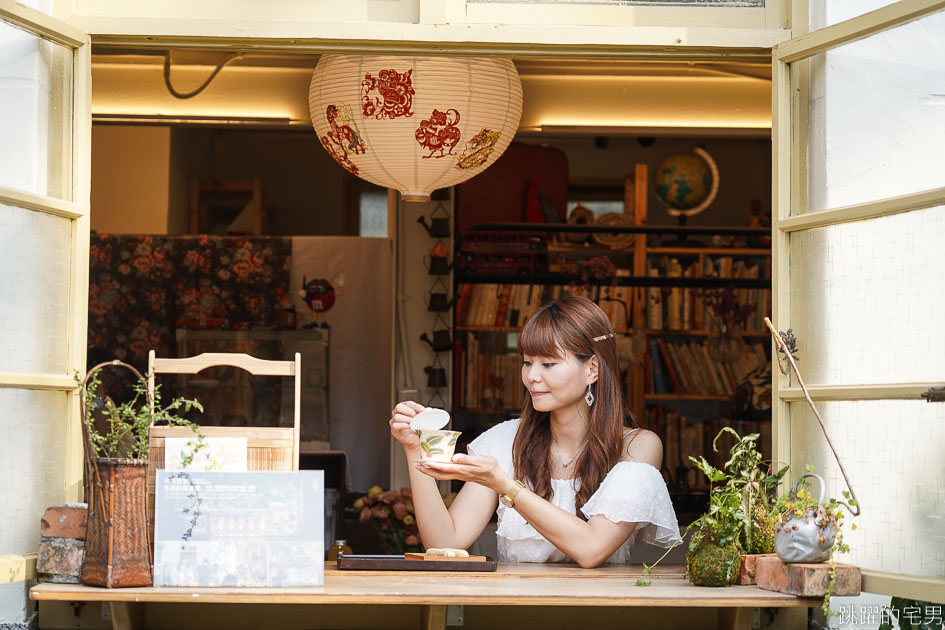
(423, 221)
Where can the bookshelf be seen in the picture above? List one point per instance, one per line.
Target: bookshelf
(673, 386)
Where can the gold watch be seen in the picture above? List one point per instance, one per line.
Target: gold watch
(508, 499)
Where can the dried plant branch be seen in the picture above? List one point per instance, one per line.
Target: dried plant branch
(854, 505)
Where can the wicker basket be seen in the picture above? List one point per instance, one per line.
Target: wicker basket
(117, 548)
(614, 241)
(580, 215)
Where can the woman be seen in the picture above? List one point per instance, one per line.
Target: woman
(574, 482)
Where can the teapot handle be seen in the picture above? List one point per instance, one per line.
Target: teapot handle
(797, 484)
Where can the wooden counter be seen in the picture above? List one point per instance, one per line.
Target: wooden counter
(510, 585)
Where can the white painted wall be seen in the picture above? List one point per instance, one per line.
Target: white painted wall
(414, 282)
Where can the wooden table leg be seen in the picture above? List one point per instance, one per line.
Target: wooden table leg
(432, 617)
(127, 615)
(735, 618)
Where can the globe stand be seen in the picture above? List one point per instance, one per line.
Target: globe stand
(687, 183)
(682, 240)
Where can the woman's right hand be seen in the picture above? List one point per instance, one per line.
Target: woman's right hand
(400, 424)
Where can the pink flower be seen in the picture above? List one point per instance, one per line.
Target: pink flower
(390, 496)
(406, 492)
(365, 515)
(400, 510)
(412, 541)
(381, 512)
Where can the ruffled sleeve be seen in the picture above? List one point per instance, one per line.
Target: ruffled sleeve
(635, 492)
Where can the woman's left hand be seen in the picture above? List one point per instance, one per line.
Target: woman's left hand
(481, 469)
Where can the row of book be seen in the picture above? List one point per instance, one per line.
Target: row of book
(484, 380)
(683, 437)
(687, 368)
(510, 305)
(683, 308)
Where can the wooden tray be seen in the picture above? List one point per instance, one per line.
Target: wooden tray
(363, 562)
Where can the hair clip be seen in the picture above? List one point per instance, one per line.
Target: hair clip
(602, 337)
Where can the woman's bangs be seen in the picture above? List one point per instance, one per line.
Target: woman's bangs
(538, 338)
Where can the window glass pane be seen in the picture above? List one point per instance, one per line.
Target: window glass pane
(891, 450)
(32, 430)
(35, 114)
(35, 259)
(372, 213)
(46, 6)
(877, 116)
(832, 11)
(866, 299)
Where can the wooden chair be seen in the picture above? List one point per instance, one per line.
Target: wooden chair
(267, 448)
(265, 436)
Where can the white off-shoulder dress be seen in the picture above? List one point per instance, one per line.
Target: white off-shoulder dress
(632, 492)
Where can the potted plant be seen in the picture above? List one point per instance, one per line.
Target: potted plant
(117, 548)
(810, 530)
(741, 516)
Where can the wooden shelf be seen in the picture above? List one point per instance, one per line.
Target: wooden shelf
(649, 397)
(710, 251)
(698, 333)
(564, 248)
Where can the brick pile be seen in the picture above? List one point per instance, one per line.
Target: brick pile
(62, 546)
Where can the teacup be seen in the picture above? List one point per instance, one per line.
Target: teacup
(437, 445)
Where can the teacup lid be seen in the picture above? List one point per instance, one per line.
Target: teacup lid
(430, 419)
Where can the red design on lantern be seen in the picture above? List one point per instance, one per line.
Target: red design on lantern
(478, 149)
(439, 133)
(343, 137)
(394, 94)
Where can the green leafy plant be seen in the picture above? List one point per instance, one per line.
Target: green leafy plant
(124, 428)
(741, 513)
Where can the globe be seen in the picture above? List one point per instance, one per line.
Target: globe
(686, 182)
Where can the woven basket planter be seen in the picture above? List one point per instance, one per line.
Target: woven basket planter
(117, 548)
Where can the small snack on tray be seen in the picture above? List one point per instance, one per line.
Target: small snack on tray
(447, 552)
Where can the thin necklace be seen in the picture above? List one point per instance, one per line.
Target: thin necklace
(565, 464)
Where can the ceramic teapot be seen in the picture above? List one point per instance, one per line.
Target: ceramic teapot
(807, 538)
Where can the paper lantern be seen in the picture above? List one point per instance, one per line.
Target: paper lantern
(415, 123)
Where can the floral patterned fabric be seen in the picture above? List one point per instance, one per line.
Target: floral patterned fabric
(142, 288)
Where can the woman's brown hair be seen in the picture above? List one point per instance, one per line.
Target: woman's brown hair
(578, 326)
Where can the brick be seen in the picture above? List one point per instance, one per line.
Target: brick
(64, 522)
(60, 556)
(746, 566)
(805, 580)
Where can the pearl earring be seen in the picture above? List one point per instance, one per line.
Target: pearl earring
(589, 397)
